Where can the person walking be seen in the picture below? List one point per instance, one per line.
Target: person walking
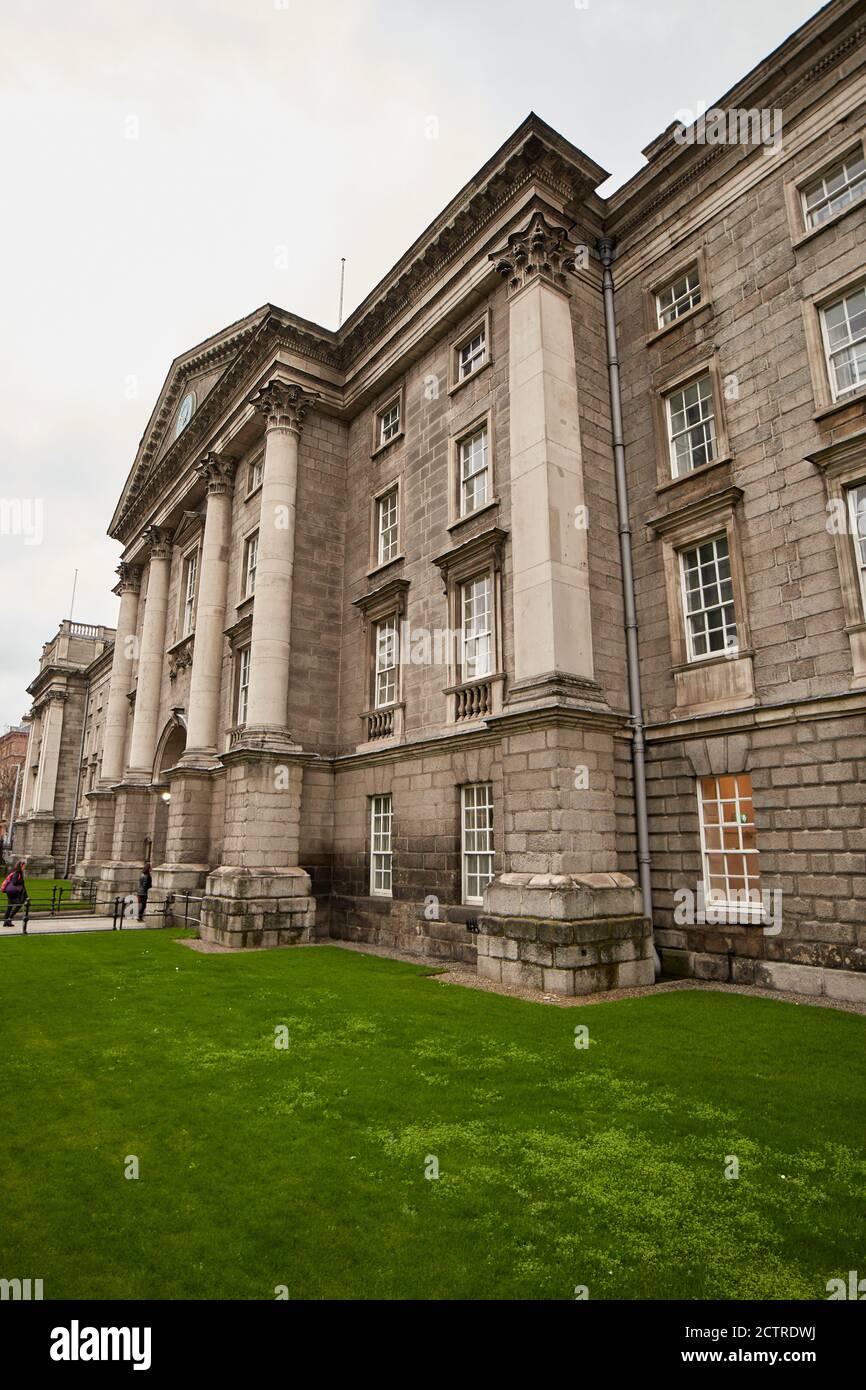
(144, 884)
(16, 892)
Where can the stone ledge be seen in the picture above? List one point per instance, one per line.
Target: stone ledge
(784, 976)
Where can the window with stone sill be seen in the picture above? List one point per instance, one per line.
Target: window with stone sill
(387, 658)
(677, 298)
(476, 628)
(243, 685)
(190, 579)
(380, 846)
(388, 423)
(691, 425)
(476, 826)
(729, 850)
(834, 189)
(708, 599)
(251, 555)
(473, 453)
(843, 327)
(255, 474)
(857, 522)
(387, 526)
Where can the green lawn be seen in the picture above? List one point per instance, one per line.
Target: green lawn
(305, 1167)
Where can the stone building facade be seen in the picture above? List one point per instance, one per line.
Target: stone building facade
(13, 750)
(65, 736)
(372, 672)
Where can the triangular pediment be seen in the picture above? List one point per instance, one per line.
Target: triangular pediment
(191, 379)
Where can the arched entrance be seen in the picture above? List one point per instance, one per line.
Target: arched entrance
(169, 751)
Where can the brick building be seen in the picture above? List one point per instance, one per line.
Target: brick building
(376, 669)
(63, 748)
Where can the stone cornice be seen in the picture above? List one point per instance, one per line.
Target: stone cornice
(842, 454)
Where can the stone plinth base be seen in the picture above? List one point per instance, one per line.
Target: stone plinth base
(258, 907)
(116, 880)
(565, 933)
(786, 976)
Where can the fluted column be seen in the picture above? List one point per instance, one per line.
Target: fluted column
(283, 407)
(128, 589)
(150, 661)
(205, 680)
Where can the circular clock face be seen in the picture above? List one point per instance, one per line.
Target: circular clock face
(184, 415)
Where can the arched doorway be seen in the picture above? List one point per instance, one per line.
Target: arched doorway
(169, 751)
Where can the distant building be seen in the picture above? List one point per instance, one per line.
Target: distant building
(13, 749)
(64, 747)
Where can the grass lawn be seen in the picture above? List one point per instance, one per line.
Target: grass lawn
(305, 1167)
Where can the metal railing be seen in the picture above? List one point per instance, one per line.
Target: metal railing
(174, 905)
(62, 901)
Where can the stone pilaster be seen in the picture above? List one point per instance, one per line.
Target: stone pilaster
(284, 407)
(150, 663)
(127, 589)
(52, 712)
(550, 576)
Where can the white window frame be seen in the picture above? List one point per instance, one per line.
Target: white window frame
(705, 423)
(737, 908)
(832, 202)
(467, 455)
(476, 801)
(388, 535)
(389, 422)
(243, 695)
(251, 548)
(728, 628)
(381, 855)
(472, 352)
(476, 629)
(856, 497)
(386, 649)
(190, 591)
(255, 474)
(853, 342)
(680, 303)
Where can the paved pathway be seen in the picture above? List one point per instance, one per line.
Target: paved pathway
(63, 926)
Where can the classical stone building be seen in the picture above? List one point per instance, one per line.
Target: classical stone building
(65, 737)
(377, 673)
(13, 750)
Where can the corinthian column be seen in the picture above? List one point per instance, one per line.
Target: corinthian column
(204, 690)
(117, 713)
(150, 661)
(283, 407)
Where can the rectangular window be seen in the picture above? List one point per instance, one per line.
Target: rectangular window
(691, 426)
(243, 684)
(708, 599)
(857, 513)
(256, 473)
(190, 573)
(472, 354)
(477, 839)
(389, 422)
(728, 840)
(380, 846)
(678, 297)
(386, 662)
(474, 472)
(844, 327)
(476, 603)
(251, 558)
(387, 526)
(843, 184)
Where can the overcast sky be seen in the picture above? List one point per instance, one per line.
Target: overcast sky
(157, 155)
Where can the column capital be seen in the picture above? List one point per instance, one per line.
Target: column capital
(158, 542)
(542, 250)
(284, 405)
(217, 472)
(129, 581)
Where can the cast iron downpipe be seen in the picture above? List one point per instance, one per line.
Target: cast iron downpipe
(638, 747)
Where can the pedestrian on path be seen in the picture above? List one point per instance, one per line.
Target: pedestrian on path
(16, 892)
(144, 884)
